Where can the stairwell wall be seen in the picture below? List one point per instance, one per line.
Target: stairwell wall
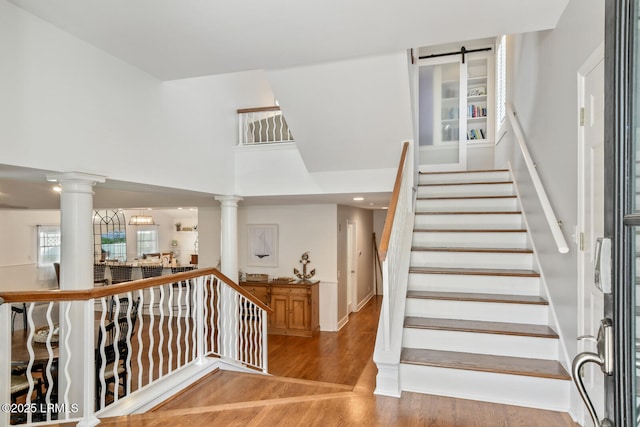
(542, 86)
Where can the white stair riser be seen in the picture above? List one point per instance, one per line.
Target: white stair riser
(469, 342)
(473, 283)
(470, 239)
(475, 310)
(437, 178)
(467, 205)
(466, 190)
(518, 390)
(469, 221)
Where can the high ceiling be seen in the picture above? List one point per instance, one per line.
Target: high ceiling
(174, 39)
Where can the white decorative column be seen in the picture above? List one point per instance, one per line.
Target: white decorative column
(229, 236)
(229, 267)
(76, 273)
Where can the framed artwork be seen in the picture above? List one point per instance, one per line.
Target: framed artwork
(262, 245)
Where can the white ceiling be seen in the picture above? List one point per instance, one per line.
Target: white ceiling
(174, 39)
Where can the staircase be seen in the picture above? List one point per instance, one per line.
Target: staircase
(476, 326)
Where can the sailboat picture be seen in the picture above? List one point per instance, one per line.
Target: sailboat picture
(262, 245)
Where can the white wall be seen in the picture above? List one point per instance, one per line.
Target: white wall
(542, 84)
(69, 106)
(19, 251)
(301, 228)
(338, 111)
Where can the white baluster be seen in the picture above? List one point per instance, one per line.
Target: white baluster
(140, 328)
(103, 356)
(161, 328)
(47, 371)
(281, 127)
(187, 318)
(31, 358)
(151, 340)
(179, 335)
(260, 127)
(170, 323)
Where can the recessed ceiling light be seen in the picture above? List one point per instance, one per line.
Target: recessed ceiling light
(358, 199)
(385, 207)
(57, 189)
(179, 209)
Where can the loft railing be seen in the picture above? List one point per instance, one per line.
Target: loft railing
(395, 246)
(188, 317)
(263, 125)
(550, 216)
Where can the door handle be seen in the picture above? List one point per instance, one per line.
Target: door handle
(604, 358)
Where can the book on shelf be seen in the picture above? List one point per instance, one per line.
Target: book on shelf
(476, 134)
(474, 111)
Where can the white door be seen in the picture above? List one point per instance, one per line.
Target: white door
(442, 114)
(591, 309)
(352, 263)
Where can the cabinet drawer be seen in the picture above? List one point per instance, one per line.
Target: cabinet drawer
(289, 290)
(257, 289)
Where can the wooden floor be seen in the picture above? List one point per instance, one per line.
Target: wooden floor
(327, 380)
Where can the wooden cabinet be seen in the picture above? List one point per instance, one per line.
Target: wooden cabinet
(295, 306)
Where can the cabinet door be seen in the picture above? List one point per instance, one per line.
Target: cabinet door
(280, 305)
(299, 313)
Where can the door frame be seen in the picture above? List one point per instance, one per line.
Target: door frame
(620, 28)
(352, 267)
(589, 65)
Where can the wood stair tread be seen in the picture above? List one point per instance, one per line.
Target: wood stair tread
(469, 213)
(466, 183)
(475, 271)
(466, 197)
(458, 172)
(540, 368)
(469, 249)
(478, 297)
(483, 327)
(469, 230)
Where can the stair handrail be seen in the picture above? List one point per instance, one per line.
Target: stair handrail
(549, 214)
(393, 206)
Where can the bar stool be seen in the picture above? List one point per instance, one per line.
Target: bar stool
(98, 274)
(120, 273)
(151, 270)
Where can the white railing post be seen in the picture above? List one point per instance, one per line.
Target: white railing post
(5, 360)
(200, 283)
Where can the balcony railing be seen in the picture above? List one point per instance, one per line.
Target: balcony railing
(126, 353)
(263, 125)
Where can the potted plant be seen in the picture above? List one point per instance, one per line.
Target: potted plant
(178, 226)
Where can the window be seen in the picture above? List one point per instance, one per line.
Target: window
(147, 242)
(501, 83)
(48, 244)
(114, 245)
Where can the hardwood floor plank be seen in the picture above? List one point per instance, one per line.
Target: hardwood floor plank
(499, 328)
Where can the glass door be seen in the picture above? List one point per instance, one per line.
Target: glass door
(440, 123)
